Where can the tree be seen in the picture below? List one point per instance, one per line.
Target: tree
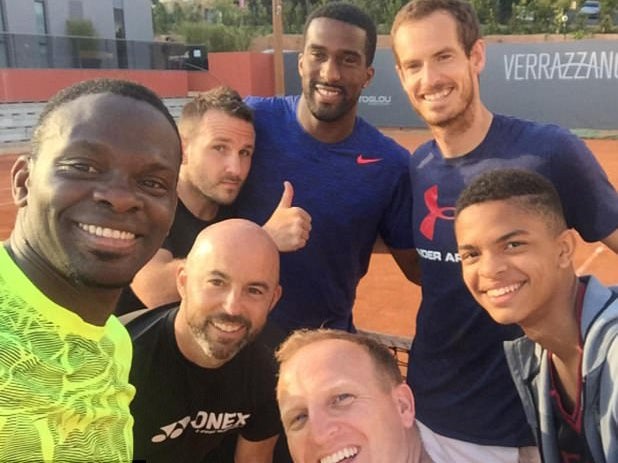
(161, 20)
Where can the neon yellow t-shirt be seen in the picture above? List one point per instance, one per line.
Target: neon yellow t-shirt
(64, 387)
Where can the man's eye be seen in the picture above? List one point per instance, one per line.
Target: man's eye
(80, 167)
(256, 291)
(296, 422)
(343, 399)
(154, 184)
(350, 59)
(468, 256)
(514, 244)
(216, 282)
(412, 67)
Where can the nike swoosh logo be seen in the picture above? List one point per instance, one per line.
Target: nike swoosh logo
(362, 160)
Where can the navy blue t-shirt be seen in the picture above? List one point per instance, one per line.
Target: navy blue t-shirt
(457, 367)
(354, 191)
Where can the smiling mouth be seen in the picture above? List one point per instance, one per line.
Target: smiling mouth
(340, 455)
(437, 96)
(328, 92)
(503, 291)
(228, 327)
(104, 232)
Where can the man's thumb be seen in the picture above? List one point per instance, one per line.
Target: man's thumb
(287, 196)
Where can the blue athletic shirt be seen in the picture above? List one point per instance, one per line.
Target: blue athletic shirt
(353, 190)
(457, 368)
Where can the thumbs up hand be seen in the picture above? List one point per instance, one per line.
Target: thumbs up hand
(288, 226)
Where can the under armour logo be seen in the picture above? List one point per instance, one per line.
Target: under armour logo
(172, 431)
(436, 212)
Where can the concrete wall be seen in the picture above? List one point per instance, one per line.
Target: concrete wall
(249, 73)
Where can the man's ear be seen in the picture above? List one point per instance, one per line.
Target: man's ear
(184, 146)
(276, 297)
(300, 64)
(404, 401)
(566, 245)
(181, 279)
(477, 56)
(370, 73)
(20, 179)
(400, 75)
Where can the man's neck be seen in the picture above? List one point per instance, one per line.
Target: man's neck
(464, 135)
(558, 329)
(93, 305)
(199, 205)
(418, 453)
(326, 132)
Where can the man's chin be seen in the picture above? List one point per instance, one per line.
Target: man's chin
(226, 199)
(99, 282)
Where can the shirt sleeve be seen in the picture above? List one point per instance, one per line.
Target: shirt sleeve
(589, 200)
(396, 224)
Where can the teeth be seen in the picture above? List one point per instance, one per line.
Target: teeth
(227, 327)
(327, 90)
(340, 455)
(106, 232)
(438, 95)
(502, 291)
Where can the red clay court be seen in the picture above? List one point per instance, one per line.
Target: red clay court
(386, 302)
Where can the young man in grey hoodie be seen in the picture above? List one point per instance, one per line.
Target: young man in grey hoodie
(516, 254)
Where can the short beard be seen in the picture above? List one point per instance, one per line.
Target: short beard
(327, 113)
(460, 122)
(214, 350)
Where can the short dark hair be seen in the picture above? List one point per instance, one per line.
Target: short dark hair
(350, 14)
(529, 190)
(92, 87)
(468, 28)
(221, 98)
(387, 371)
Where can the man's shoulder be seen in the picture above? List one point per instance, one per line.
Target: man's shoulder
(530, 130)
(13, 281)
(271, 103)
(370, 136)
(254, 365)
(256, 355)
(142, 322)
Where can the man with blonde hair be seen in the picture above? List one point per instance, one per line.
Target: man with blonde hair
(341, 395)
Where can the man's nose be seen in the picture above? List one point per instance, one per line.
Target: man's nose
(119, 193)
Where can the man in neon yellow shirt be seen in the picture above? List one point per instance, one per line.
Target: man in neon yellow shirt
(96, 198)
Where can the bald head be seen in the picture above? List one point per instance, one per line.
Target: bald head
(237, 237)
(228, 285)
